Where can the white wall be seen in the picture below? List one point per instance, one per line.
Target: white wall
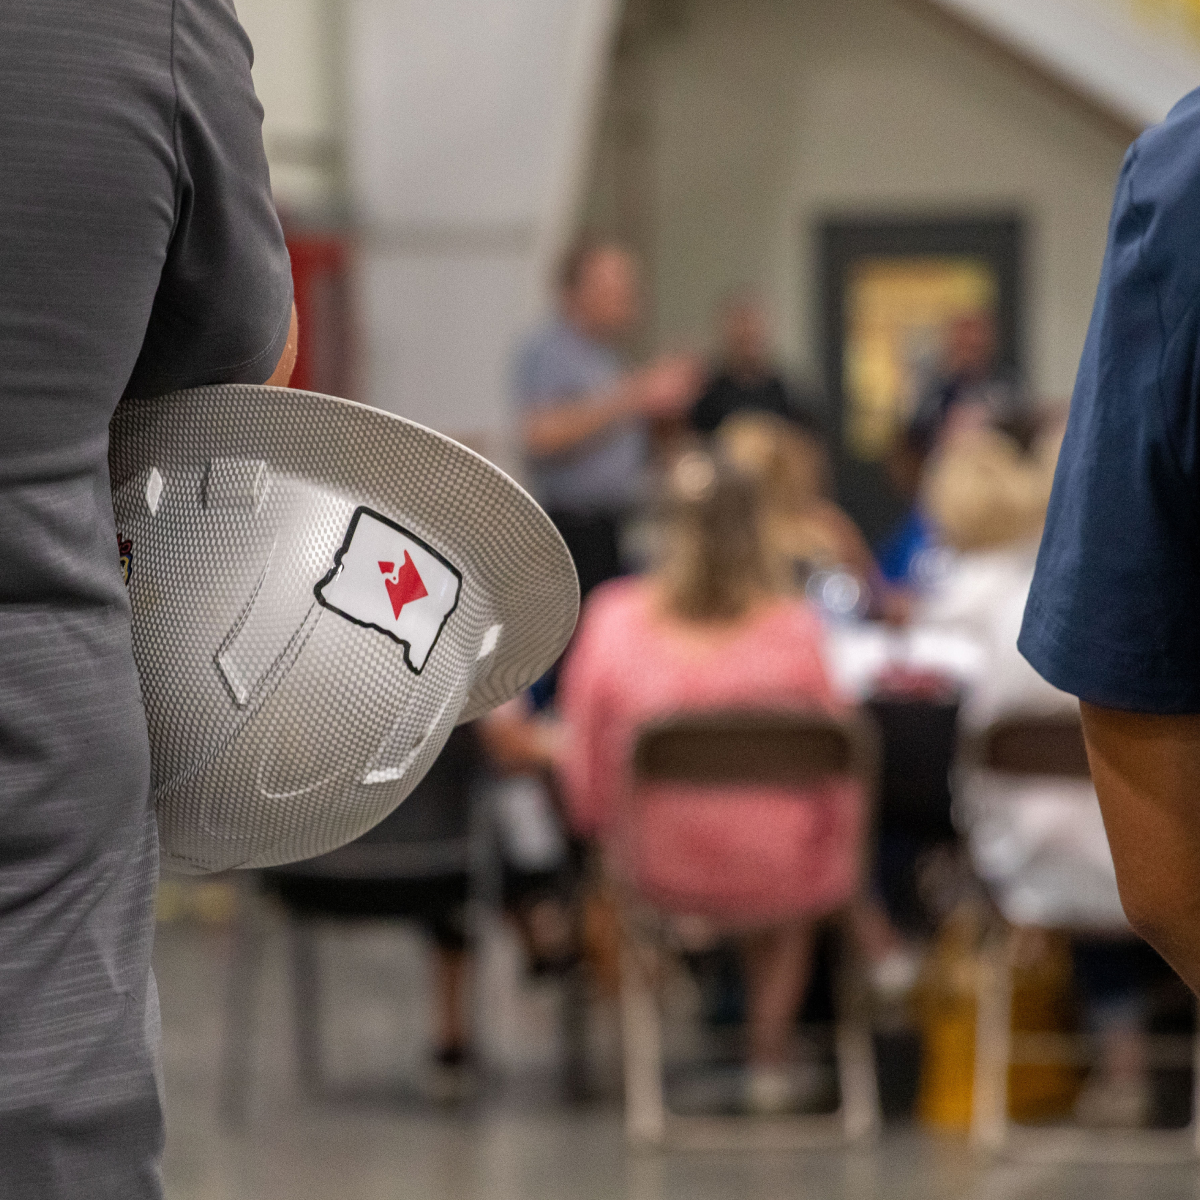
(1136, 57)
(468, 123)
(456, 130)
(299, 74)
(764, 116)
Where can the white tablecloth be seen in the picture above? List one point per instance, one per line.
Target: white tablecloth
(858, 652)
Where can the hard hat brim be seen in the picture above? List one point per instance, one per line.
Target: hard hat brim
(464, 507)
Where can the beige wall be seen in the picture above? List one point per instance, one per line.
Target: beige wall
(742, 123)
(298, 69)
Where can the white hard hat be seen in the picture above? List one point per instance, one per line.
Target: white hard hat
(321, 591)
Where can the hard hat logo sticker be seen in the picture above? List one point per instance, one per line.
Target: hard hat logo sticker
(386, 578)
(125, 550)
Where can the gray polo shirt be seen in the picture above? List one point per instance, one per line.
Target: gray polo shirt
(558, 364)
(139, 252)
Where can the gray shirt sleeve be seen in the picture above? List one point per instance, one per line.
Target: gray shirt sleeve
(603, 473)
(542, 377)
(223, 302)
(558, 365)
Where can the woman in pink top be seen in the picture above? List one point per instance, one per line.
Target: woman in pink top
(710, 630)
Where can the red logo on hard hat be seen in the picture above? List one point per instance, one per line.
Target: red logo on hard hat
(420, 591)
(125, 549)
(404, 585)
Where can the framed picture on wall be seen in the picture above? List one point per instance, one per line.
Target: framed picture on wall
(892, 291)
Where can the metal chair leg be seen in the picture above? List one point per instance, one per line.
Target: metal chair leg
(641, 1041)
(573, 1018)
(855, 1050)
(993, 1037)
(306, 998)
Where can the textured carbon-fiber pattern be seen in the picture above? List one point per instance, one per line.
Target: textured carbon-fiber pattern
(279, 729)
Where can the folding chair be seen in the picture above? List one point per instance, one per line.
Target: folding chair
(429, 838)
(1049, 747)
(786, 749)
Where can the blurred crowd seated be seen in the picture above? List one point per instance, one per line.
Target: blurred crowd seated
(757, 593)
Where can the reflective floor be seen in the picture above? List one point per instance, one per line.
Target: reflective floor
(374, 1133)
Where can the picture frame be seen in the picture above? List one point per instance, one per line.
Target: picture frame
(890, 285)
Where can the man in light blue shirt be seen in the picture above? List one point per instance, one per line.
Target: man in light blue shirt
(583, 417)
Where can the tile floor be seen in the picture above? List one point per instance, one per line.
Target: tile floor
(377, 1138)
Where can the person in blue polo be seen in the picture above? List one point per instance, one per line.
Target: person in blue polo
(1114, 613)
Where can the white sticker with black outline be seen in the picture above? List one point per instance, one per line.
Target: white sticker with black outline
(386, 578)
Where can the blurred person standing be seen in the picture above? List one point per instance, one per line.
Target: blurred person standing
(583, 417)
(969, 388)
(745, 377)
(140, 253)
(710, 630)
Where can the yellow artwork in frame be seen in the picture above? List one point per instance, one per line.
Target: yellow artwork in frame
(1180, 16)
(897, 308)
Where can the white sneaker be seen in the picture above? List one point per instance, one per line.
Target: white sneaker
(895, 975)
(772, 1091)
(768, 1090)
(1107, 1103)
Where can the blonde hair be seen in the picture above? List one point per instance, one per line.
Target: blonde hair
(789, 465)
(803, 529)
(983, 492)
(713, 565)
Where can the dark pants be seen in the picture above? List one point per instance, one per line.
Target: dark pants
(592, 539)
(1114, 976)
(80, 1098)
(438, 904)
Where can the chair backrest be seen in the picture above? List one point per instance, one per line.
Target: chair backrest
(738, 747)
(1035, 746)
(428, 835)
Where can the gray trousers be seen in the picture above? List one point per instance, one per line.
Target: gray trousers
(80, 1085)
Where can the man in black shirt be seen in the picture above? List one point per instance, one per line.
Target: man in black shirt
(139, 253)
(746, 379)
(970, 388)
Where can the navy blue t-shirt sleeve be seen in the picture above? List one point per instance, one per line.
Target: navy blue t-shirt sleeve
(1114, 613)
(223, 303)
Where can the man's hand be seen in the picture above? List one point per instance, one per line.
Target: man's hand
(667, 386)
(560, 427)
(1147, 774)
(282, 375)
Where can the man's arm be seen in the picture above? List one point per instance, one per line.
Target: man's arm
(223, 309)
(1146, 769)
(563, 425)
(662, 389)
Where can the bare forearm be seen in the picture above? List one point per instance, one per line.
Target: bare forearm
(561, 427)
(1146, 770)
(282, 374)
(515, 740)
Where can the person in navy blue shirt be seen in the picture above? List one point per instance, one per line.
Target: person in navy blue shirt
(1114, 613)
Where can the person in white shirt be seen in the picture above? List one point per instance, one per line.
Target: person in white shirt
(1038, 844)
